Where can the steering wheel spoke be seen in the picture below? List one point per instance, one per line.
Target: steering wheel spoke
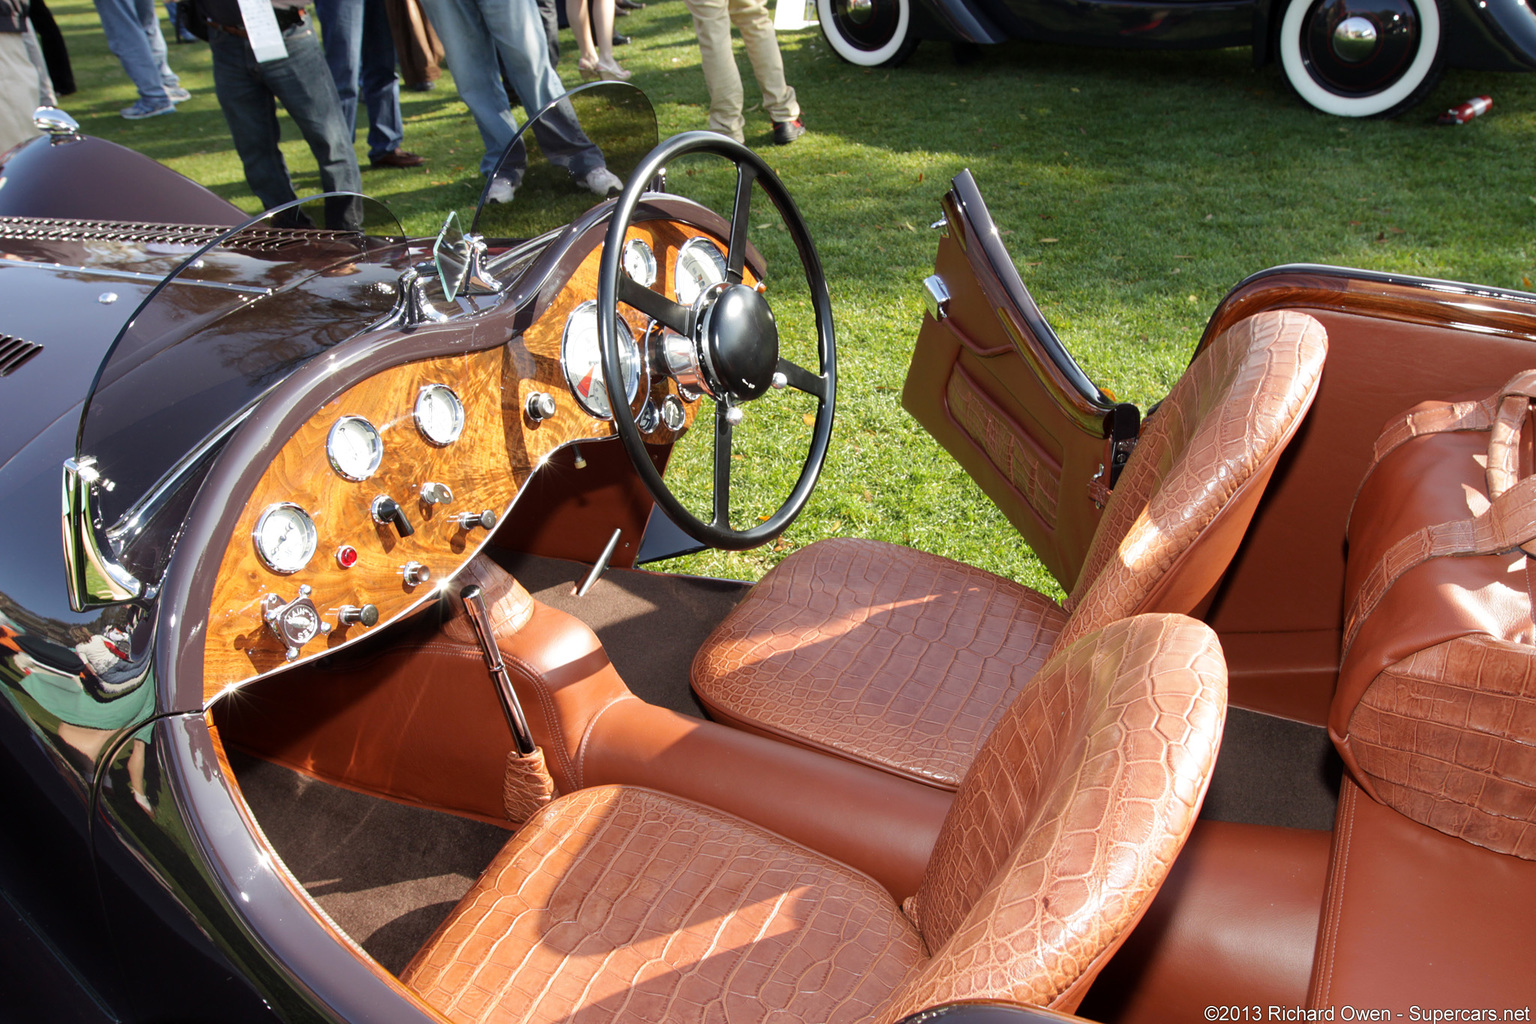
(801, 379)
(722, 500)
(655, 305)
(741, 218)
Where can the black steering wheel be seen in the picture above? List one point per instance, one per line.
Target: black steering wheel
(726, 345)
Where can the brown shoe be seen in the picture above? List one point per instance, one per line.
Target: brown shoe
(398, 158)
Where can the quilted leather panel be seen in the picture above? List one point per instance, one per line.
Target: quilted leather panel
(624, 904)
(1230, 413)
(1070, 818)
(879, 653)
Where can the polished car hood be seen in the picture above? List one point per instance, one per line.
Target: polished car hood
(66, 289)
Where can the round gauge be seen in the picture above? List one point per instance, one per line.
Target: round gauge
(354, 447)
(700, 263)
(439, 414)
(640, 262)
(285, 537)
(582, 360)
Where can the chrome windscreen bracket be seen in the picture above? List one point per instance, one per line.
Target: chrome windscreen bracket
(93, 577)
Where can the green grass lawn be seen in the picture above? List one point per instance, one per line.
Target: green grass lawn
(1133, 190)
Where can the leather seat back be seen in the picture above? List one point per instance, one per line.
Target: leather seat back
(1068, 821)
(1205, 455)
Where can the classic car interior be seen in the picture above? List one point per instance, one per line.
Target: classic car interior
(530, 780)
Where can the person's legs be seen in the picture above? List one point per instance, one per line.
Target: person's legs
(251, 114)
(302, 83)
(461, 26)
(18, 91)
(755, 24)
(341, 33)
(149, 24)
(128, 41)
(712, 24)
(581, 28)
(380, 88)
(517, 32)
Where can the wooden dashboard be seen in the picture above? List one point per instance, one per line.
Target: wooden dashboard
(361, 563)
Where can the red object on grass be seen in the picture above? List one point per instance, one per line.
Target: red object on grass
(1465, 112)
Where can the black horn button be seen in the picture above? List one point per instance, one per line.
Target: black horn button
(741, 342)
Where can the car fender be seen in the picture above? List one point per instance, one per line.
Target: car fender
(960, 21)
(1490, 35)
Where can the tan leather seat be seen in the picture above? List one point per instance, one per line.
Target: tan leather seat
(625, 904)
(905, 661)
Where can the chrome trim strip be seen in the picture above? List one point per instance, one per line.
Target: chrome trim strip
(133, 275)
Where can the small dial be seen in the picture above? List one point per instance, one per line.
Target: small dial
(285, 537)
(354, 448)
(640, 262)
(582, 360)
(439, 414)
(700, 263)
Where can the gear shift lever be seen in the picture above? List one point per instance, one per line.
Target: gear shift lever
(480, 622)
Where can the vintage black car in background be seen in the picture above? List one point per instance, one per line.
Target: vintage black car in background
(1353, 58)
(320, 581)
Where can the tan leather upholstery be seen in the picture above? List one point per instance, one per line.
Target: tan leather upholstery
(905, 660)
(1415, 917)
(624, 904)
(1436, 704)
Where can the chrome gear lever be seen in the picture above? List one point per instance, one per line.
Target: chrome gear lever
(480, 622)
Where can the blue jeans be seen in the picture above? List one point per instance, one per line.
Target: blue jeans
(361, 53)
(249, 93)
(132, 28)
(474, 33)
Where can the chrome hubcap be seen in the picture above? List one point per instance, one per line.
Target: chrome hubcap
(1354, 39)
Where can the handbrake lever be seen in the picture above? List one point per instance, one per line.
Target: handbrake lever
(480, 622)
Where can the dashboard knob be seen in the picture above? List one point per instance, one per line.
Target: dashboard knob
(436, 494)
(470, 520)
(352, 615)
(388, 510)
(540, 406)
(415, 574)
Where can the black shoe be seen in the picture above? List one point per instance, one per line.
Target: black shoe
(397, 158)
(785, 132)
(619, 40)
(629, 5)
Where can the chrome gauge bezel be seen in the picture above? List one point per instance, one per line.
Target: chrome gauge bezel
(272, 553)
(640, 262)
(426, 423)
(344, 462)
(581, 360)
(689, 255)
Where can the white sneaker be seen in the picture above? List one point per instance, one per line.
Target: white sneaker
(603, 182)
(501, 191)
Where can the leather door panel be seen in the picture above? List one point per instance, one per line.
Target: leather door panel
(992, 383)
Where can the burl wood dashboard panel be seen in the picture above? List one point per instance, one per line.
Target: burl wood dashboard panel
(497, 451)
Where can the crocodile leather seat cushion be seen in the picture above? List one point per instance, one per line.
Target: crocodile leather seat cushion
(905, 661)
(624, 904)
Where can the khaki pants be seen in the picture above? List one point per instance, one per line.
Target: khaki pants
(712, 20)
(19, 84)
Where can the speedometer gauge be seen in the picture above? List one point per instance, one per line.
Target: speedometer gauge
(582, 361)
(354, 448)
(439, 414)
(285, 537)
(700, 263)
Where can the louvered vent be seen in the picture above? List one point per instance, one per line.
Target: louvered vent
(14, 352)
